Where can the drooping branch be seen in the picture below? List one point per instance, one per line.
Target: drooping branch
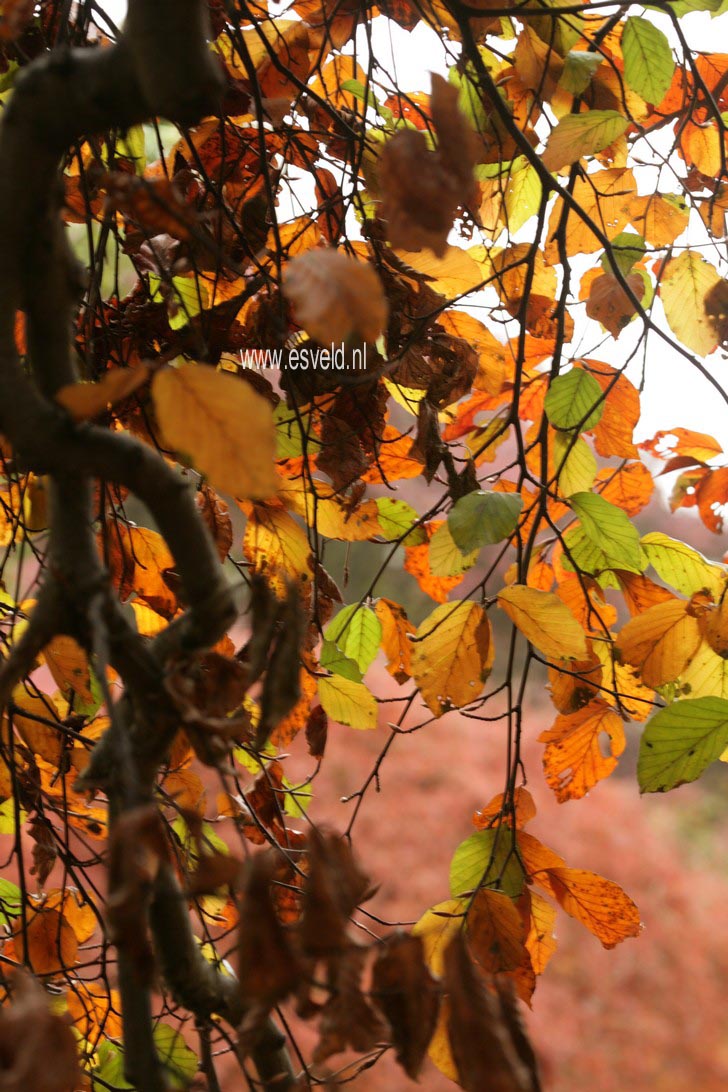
(160, 66)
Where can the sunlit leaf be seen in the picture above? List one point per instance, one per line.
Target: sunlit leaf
(681, 741)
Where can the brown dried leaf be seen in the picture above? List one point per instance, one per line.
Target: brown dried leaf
(335, 886)
(268, 967)
(335, 297)
(480, 1039)
(37, 1047)
(408, 996)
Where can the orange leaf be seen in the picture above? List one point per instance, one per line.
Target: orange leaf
(573, 760)
(660, 642)
(523, 804)
(85, 401)
(496, 932)
(630, 487)
(599, 904)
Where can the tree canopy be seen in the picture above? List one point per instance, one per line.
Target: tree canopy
(320, 404)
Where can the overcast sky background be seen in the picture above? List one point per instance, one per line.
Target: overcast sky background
(674, 394)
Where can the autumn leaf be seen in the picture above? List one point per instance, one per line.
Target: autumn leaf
(495, 932)
(660, 642)
(544, 621)
(84, 401)
(573, 759)
(684, 286)
(408, 995)
(348, 702)
(222, 424)
(453, 655)
(578, 135)
(335, 297)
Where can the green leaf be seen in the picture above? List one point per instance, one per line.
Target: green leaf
(483, 518)
(11, 900)
(681, 741)
(684, 7)
(109, 1069)
(610, 529)
(397, 518)
(579, 67)
(682, 567)
(648, 61)
(574, 400)
(348, 702)
(577, 135)
(581, 554)
(357, 632)
(487, 858)
(132, 145)
(627, 249)
(178, 1060)
(334, 660)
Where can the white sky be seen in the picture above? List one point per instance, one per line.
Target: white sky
(674, 394)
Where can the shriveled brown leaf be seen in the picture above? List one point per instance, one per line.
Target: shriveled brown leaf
(137, 849)
(408, 996)
(282, 688)
(481, 1041)
(335, 886)
(335, 297)
(37, 1047)
(205, 689)
(268, 967)
(216, 515)
(45, 853)
(214, 870)
(317, 727)
(347, 1018)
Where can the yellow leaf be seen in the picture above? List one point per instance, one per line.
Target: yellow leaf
(69, 666)
(660, 642)
(87, 400)
(277, 547)
(437, 927)
(545, 621)
(452, 656)
(222, 424)
(348, 702)
(541, 942)
(452, 275)
(685, 283)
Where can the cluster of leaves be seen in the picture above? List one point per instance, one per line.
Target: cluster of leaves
(448, 240)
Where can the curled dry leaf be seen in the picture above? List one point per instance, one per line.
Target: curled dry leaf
(421, 189)
(14, 17)
(334, 888)
(317, 727)
(408, 996)
(282, 688)
(37, 1047)
(156, 206)
(482, 1043)
(205, 689)
(335, 297)
(137, 849)
(268, 967)
(214, 870)
(347, 1019)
